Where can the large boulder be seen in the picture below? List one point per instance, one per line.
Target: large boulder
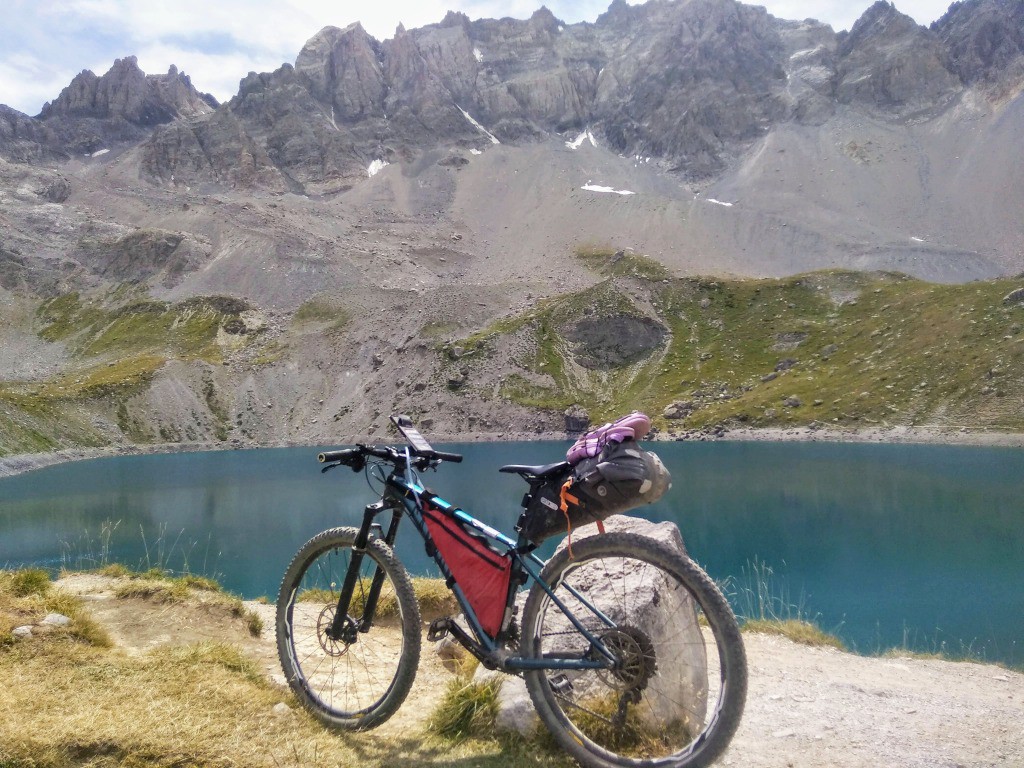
(682, 664)
(576, 419)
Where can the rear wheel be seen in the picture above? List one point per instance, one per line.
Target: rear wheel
(675, 694)
(358, 681)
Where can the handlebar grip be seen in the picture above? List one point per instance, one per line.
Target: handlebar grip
(455, 458)
(331, 456)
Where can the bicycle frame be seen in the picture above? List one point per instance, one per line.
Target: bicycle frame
(405, 495)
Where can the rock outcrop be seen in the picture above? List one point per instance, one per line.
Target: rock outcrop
(123, 105)
(128, 93)
(688, 83)
(24, 140)
(890, 62)
(985, 40)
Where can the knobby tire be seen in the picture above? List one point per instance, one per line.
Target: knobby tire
(352, 686)
(677, 696)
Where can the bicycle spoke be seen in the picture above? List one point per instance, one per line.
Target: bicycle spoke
(662, 702)
(349, 684)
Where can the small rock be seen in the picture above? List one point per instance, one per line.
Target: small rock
(459, 380)
(678, 410)
(785, 364)
(1014, 297)
(282, 710)
(515, 709)
(22, 632)
(55, 620)
(792, 402)
(770, 376)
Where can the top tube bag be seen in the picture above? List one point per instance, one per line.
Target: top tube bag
(481, 573)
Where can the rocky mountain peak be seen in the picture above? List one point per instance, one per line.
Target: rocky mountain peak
(890, 62)
(618, 11)
(455, 19)
(342, 70)
(543, 18)
(22, 139)
(689, 82)
(126, 92)
(985, 39)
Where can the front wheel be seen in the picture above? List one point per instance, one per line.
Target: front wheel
(359, 681)
(675, 693)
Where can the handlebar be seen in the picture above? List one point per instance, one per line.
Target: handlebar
(454, 458)
(419, 450)
(343, 456)
(356, 457)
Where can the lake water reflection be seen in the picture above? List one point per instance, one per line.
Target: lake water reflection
(884, 544)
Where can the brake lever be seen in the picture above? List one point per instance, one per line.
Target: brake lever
(329, 467)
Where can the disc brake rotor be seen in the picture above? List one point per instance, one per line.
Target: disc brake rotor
(323, 628)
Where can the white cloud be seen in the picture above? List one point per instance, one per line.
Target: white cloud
(45, 43)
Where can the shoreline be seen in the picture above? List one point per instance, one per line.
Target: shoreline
(17, 464)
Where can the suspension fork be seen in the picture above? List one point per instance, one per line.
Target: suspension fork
(343, 627)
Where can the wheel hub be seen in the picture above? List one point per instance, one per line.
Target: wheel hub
(323, 632)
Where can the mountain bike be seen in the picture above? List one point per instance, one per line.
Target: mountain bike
(629, 652)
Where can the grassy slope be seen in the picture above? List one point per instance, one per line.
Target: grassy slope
(117, 343)
(870, 349)
(70, 698)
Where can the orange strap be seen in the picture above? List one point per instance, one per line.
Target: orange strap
(565, 498)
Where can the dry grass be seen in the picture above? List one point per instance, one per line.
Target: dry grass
(66, 703)
(201, 705)
(27, 597)
(158, 587)
(434, 598)
(797, 630)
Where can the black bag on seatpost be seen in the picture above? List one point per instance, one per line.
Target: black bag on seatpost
(623, 476)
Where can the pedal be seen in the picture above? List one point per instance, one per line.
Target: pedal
(438, 629)
(561, 684)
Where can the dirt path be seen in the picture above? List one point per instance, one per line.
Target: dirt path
(806, 708)
(811, 707)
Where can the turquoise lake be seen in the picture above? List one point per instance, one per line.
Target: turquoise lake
(884, 545)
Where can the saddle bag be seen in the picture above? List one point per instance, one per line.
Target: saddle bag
(621, 477)
(481, 573)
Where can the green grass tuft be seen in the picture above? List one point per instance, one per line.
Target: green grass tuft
(467, 710)
(330, 315)
(624, 263)
(797, 630)
(28, 581)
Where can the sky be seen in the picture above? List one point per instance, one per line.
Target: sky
(45, 43)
